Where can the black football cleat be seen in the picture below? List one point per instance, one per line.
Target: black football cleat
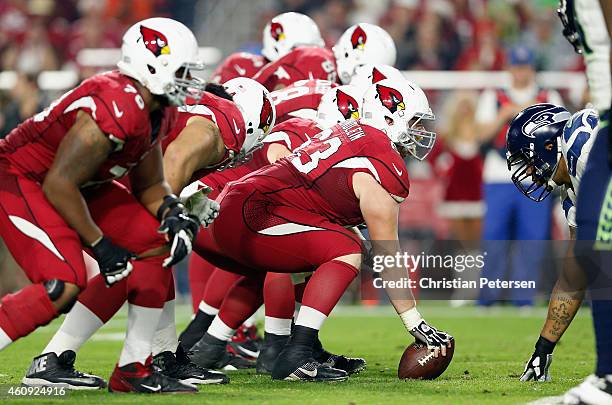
(139, 378)
(180, 367)
(246, 342)
(295, 363)
(351, 365)
(50, 369)
(212, 353)
(271, 348)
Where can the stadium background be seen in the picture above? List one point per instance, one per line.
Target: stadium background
(453, 48)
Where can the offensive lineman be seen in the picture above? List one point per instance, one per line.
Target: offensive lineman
(57, 194)
(291, 217)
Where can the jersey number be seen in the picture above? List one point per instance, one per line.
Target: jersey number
(330, 69)
(306, 163)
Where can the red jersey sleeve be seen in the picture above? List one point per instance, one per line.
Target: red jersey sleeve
(300, 64)
(239, 64)
(115, 105)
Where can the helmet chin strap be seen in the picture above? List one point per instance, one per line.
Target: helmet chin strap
(551, 183)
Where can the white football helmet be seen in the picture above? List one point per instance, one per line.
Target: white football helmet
(401, 110)
(339, 104)
(258, 111)
(366, 75)
(360, 44)
(287, 31)
(159, 53)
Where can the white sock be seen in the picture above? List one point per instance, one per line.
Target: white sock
(5, 340)
(277, 326)
(165, 337)
(250, 321)
(142, 323)
(80, 324)
(220, 330)
(310, 317)
(207, 309)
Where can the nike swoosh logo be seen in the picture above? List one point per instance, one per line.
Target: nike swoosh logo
(118, 113)
(311, 373)
(399, 172)
(236, 127)
(248, 352)
(153, 389)
(241, 71)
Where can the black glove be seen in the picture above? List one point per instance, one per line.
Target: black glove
(434, 339)
(114, 261)
(570, 30)
(180, 229)
(537, 367)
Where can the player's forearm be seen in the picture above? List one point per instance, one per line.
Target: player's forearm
(66, 198)
(153, 196)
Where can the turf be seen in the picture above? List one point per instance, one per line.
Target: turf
(492, 346)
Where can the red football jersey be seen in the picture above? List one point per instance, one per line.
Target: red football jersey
(317, 177)
(302, 97)
(118, 109)
(224, 113)
(300, 64)
(239, 64)
(291, 133)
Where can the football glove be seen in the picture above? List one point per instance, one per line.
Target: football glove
(435, 340)
(199, 205)
(537, 367)
(114, 261)
(570, 30)
(180, 229)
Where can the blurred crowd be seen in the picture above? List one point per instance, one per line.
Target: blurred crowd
(39, 35)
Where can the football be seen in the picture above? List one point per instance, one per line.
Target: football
(418, 363)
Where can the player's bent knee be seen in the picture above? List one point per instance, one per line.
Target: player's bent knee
(352, 259)
(62, 294)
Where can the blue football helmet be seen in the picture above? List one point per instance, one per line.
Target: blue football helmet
(532, 144)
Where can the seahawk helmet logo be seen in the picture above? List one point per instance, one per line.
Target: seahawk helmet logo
(266, 115)
(347, 105)
(277, 31)
(358, 38)
(377, 76)
(155, 41)
(538, 121)
(390, 98)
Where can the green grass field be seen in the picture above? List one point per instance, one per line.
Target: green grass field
(491, 348)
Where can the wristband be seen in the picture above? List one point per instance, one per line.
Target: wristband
(411, 318)
(544, 345)
(95, 242)
(169, 202)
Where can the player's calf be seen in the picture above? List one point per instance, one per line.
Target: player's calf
(33, 306)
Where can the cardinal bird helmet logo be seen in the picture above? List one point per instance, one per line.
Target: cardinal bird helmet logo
(266, 115)
(155, 41)
(390, 98)
(377, 76)
(347, 105)
(358, 38)
(277, 31)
